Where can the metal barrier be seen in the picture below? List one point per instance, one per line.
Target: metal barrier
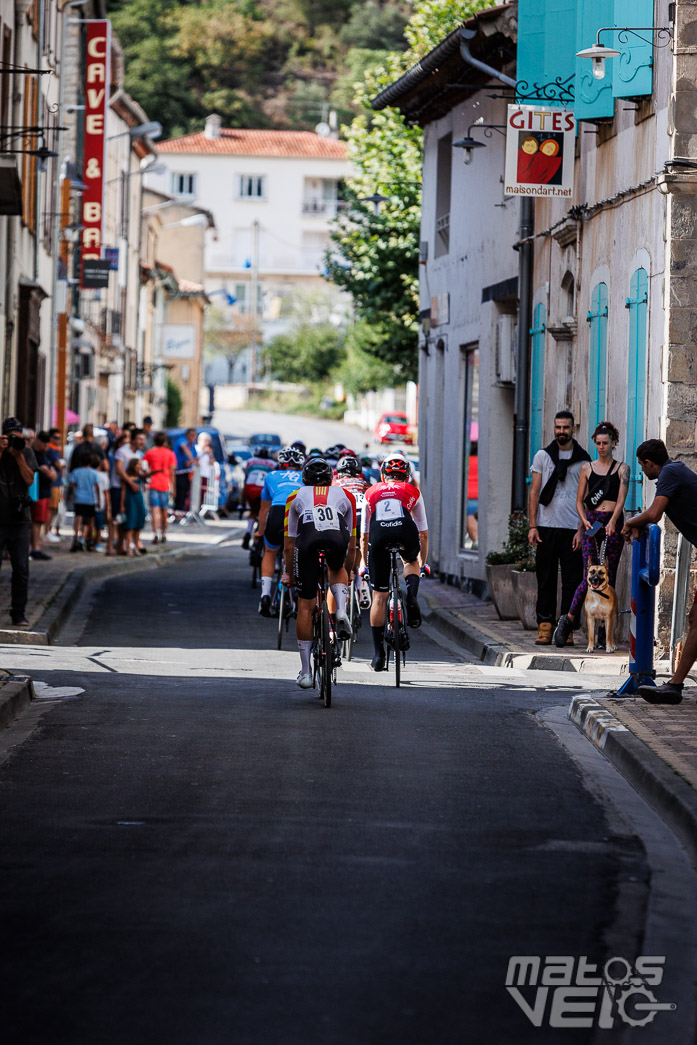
(194, 513)
(646, 566)
(211, 496)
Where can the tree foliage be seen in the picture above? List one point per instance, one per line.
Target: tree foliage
(307, 354)
(375, 256)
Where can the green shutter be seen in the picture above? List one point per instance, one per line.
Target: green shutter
(597, 376)
(632, 74)
(637, 303)
(594, 99)
(543, 57)
(537, 380)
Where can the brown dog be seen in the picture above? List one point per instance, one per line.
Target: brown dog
(601, 607)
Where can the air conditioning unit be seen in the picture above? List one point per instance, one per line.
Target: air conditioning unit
(506, 337)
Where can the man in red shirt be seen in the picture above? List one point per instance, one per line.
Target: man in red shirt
(162, 463)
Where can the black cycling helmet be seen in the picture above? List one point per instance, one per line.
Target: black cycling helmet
(299, 445)
(348, 465)
(263, 452)
(315, 452)
(317, 472)
(396, 468)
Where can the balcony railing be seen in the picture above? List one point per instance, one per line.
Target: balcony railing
(322, 208)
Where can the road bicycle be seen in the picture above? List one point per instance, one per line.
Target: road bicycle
(324, 644)
(256, 554)
(285, 608)
(396, 635)
(355, 619)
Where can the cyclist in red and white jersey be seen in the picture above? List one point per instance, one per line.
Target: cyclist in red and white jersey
(393, 513)
(255, 471)
(349, 476)
(318, 517)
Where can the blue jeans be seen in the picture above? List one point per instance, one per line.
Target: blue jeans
(159, 498)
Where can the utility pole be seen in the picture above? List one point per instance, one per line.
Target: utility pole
(253, 311)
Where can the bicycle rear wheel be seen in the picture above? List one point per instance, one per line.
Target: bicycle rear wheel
(326, 658)
(281, 617)
(396, 628)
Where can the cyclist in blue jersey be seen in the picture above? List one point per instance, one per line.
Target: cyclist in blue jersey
(278, 487)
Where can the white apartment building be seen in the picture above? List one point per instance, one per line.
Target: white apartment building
(272, 195)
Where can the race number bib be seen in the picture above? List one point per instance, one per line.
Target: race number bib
(388, 510)
(255, 478)
(324, 517)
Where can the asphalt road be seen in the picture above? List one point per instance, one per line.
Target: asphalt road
(197, 852)
(312, 430)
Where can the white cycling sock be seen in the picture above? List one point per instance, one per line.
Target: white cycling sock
(304, 647)
(266, 586)
(340, 593)
(250, 525)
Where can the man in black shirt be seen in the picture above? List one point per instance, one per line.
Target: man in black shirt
(85, 450)
(676, 497)
(17, 468)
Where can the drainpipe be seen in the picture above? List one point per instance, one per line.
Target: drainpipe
(522, 380)
(525, 263)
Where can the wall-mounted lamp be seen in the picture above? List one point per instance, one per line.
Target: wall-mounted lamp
(150, 130)
(468, 144)
(599, 52)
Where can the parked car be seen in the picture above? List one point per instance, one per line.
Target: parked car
(218, 452)
(394, 428)
(268, 439)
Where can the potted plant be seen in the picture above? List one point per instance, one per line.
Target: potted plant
(500, 566)
(525, 592)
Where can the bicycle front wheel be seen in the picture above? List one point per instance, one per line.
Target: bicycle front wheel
(347, 651)
(326, 658)
(396, 629)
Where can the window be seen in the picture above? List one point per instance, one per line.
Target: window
(469, 526)
(183, 184)
(251, 187)
(597, 376)
(443, 183)
(537, 379)
(637, 303)
(243, 293)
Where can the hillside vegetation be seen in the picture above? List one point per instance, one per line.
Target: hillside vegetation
(258, 63)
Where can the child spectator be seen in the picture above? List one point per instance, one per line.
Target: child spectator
(102, 512)
(133, 507)
(84, 489)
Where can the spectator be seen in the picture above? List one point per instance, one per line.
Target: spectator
(676, 497)
(101, 508)
(55, 505)
(554, 531)
(84, 487)
(133, 507)
(122, 458)
(112, 433)
(184, 448)
(205, 459)
(148, 432)
(40, 509)
(162, 463)
(72, 447)
(82, 453)
(115, 495)
(17, 468)
(138, 442)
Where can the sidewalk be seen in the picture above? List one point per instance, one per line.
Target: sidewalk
(654, 747)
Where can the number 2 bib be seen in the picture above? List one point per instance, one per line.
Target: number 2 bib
(388, 510)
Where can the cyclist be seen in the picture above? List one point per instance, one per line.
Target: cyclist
(350, 477)
(255, 471)
(393, 512)
(318, 517)
(278, 487)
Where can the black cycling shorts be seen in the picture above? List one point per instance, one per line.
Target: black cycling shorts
(273, 531)
(334, 543)
(381, 536)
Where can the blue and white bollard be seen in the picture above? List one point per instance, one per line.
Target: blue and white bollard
(646, 563)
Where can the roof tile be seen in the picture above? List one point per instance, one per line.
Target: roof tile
(258, 143)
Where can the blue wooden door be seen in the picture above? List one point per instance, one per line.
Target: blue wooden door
(537, 379)
(637, 303)
(597, 377)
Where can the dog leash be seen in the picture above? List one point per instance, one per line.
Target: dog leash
(601, 555)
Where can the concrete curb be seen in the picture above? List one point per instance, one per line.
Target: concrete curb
(48, 626)
(672, 797)
(16, 693)
(488, 651)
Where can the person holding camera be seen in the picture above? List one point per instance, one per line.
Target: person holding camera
(17, 469)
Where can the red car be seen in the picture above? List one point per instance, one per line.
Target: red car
(394, 428)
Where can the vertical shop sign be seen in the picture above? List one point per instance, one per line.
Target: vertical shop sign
(97, 83)
(539, 151)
